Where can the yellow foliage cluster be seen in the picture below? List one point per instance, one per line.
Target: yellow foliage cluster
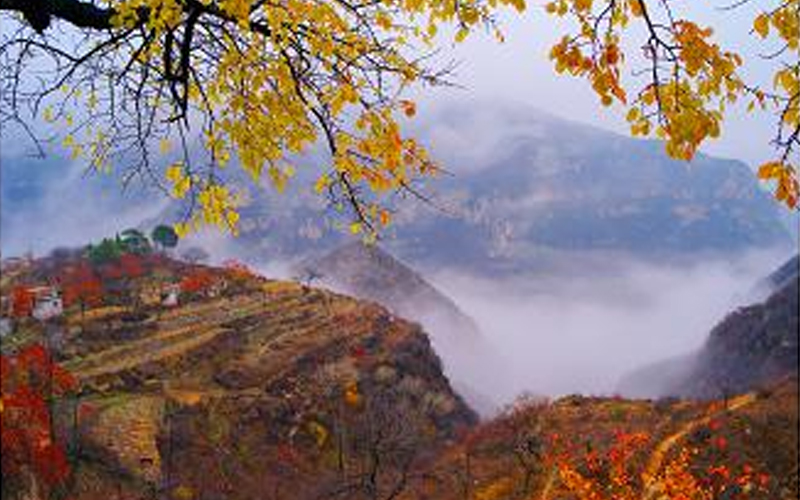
(689, 78)
(269, 80)
(785, 176)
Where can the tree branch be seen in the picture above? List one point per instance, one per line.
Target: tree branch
(81, 14)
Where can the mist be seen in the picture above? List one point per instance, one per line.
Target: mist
(49, 203)
(580, 332)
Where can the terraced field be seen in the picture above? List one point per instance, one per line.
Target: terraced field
(187, 328)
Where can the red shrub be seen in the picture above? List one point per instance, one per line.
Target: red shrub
(21, 302)
(29, 380)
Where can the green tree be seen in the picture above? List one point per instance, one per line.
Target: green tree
(164, 236)
(134, 241)
(108, 250)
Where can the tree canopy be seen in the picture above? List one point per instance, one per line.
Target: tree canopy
(165, 236)
(683, 80)
(171, 91)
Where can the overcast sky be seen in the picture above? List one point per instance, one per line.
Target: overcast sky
(519, 69)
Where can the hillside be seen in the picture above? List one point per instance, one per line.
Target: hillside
(582, 447)
(371, 273)
(752, 346)
(250, 388)
(783, 275)
(243, 387)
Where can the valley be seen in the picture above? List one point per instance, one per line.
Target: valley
(246, 388)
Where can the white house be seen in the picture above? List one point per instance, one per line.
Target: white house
(47, 303)
(170, 295)
(6, 326)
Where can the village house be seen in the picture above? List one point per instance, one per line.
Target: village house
(170, 295)
(165, 294)
(47, 303)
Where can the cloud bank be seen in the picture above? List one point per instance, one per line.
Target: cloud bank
(579, 332)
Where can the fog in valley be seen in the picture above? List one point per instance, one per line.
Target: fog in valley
(580, 332)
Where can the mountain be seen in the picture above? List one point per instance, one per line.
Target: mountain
(242, 388)
(371, 273)
(525, 189)
(751, 347)
(784, 274)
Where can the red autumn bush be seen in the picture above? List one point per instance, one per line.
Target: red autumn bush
(31, 456)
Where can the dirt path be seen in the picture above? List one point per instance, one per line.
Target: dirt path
(656, 460)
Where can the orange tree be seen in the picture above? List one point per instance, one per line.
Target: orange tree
(82, 286)
(196, 281)
(145, 84)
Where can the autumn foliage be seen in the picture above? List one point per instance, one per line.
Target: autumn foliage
(679, 82)
(82, 286)
(196, 281)
(691, 472)
(237, 269)
(30, 452)
(22, 301)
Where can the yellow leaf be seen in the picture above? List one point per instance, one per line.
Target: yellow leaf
(761, 25)
(409, 108)
(768, 170)
(385, 217)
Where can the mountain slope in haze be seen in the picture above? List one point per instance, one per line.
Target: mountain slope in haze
(244, 393)
(753, 346)
(784, 274)
(369, 272)
(528, 187)
(546, 182)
